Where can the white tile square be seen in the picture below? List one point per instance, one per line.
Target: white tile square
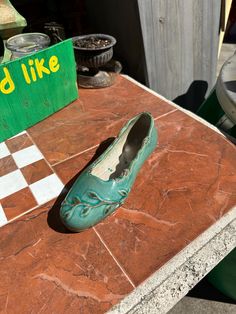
(3, 218)
(11, 183)
(47, 188)
(27, 156)
(4, 151)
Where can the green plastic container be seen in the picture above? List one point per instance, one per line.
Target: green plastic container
(223, 276)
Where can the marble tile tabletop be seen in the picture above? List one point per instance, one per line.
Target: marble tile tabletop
(183, 198)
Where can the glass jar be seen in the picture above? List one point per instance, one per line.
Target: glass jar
(27, 43)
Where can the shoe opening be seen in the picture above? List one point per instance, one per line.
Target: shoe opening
(118, 160)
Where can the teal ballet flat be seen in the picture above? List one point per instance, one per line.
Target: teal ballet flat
(105, 184)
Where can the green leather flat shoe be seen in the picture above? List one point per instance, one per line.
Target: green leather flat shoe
(105, 184)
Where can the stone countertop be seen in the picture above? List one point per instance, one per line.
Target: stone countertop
(178, 222)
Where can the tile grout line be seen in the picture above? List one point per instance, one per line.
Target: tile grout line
(152, 283)
(187, 112)
(90, 148)
(24, 213)
(75, 155)
(44, 158)
(114, 258)
(165, 114)
(171, 103)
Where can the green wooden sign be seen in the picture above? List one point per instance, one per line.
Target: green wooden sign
(34, 87)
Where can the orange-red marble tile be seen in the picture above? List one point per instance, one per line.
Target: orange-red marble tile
(17, 203)
(95, 116)
(36, 171)
(7, 164)
(56, 272)
(122, 100)
(183, 188)
(19, 142)
(71, 168)
(187, 184)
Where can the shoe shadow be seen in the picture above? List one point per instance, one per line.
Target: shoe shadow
(53, 218)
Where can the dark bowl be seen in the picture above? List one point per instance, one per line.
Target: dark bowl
(93, 57)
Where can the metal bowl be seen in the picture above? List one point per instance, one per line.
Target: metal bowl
(93, 57)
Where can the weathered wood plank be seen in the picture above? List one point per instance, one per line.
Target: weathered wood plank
(181, 43)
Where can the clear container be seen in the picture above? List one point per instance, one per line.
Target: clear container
(27, 43)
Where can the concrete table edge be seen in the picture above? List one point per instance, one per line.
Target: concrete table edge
(162, 290)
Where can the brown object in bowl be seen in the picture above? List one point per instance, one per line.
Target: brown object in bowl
(93, 50)
(92, 42)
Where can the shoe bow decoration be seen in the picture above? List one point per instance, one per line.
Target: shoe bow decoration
(105, 184)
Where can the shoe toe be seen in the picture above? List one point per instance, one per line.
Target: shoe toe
(84, 215)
